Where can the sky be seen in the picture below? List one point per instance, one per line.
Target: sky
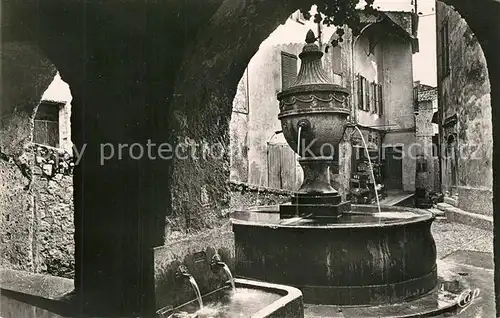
(58, 91)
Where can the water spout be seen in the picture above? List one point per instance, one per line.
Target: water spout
(217, 263)
(182, 272)
(298, 151)
(230, 275)
(371, 166)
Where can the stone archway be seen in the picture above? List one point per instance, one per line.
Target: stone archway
(164, 72)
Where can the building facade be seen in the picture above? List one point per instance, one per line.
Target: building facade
(427, 138)
(376, 67)
(383, 101)
(464, 114)
(259, 153)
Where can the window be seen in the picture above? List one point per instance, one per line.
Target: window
(435, 145)
(288, 69)
(337, 60)
(46, 127)
(361, 94)
(373, 91)
(445, 50)
(415, 99)
(367, 94)
(375, 101)
(380, 99)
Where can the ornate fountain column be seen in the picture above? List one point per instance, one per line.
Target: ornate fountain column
(317, 110)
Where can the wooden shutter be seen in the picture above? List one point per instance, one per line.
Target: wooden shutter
(372, 97)
(288, 69)
(46, 125)
(415, 99)
(360, 92)
(375, 98)
(381, 100)
(367, 95)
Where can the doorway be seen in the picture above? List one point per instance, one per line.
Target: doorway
(394, 168)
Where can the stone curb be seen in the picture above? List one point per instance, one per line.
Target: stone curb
(454, 214)
(40, 285)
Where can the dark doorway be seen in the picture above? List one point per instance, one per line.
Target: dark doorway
(394, 168)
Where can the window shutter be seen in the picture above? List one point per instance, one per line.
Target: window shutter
(381, 99)
(288, 69)
(372, 96)
(360, 92)
(367, 95)
(46, 125)
(375, 98)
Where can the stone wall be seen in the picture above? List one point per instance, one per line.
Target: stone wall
(424, 130)
(465, 106)
(36, 209)
(37, 212)
(195, 251)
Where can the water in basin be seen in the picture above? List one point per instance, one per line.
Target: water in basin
(242, 302)
(269, 215)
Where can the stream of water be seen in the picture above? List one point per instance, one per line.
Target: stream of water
(299, 133)
(197, 291)
(371, 166)
(230, 275)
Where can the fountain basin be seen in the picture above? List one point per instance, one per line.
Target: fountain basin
(362, 258)
(250, 299)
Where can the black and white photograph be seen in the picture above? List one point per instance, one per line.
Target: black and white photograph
(249, 158)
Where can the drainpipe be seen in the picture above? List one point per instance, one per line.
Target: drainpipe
(353, 68)
(320, 33)
(440, 141)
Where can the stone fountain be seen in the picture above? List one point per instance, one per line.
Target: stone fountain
(336, 254)
(313, 114)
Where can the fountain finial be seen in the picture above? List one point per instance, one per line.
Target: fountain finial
(310, 38)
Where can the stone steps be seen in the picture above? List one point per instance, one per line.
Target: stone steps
(455, 214)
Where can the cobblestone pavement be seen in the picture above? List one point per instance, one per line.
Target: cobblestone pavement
(451, 237)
